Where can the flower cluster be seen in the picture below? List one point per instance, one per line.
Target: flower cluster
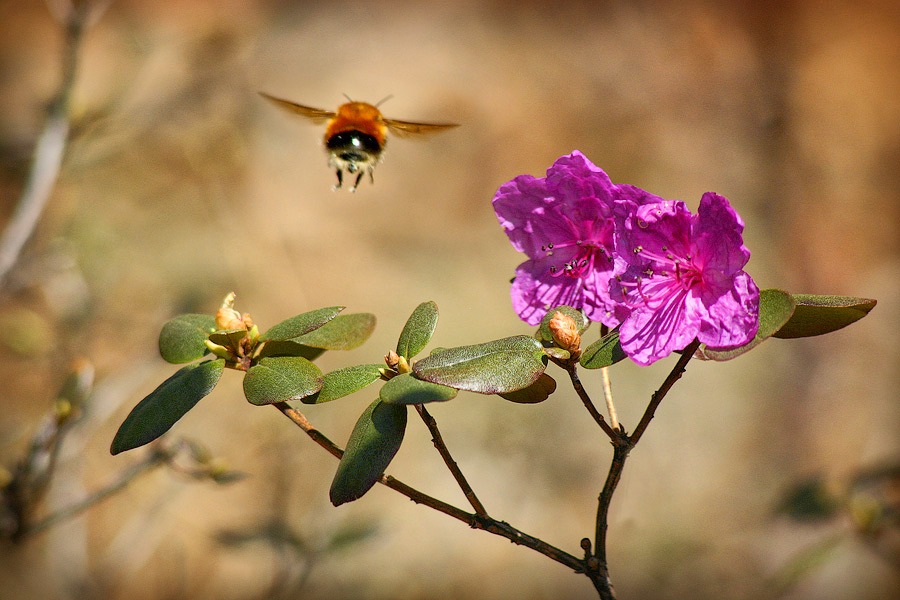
(628, 258)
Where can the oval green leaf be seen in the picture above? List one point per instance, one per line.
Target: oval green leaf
(605, 352)
(281, 378)
(543, 333)
(301, 324)
(344, 332)
(818, 315)
(375, 439)
(344, 382)
(155, 414)
(418, 330)
(496, 367)
(538, 391)
(289, 348)
(406, 389)
(775, 309)
(183, 339)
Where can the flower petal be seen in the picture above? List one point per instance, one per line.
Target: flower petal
(534, 291)
(717, 235)
(653, 332)
(732, 318)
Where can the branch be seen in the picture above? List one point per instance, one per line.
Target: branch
(48, 152)
(474, 521)
(615, 435)
(156, 457)
(674, 375)
(438, 442)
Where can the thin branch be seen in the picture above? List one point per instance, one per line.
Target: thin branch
(614, 435)
(475, 521)
(674, 375)
(438, 442)
(156, 457)
(620, 453)
(607, 393)
(48, 152)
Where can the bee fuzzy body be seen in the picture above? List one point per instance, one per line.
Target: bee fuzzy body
(355, 134)
(355, 140)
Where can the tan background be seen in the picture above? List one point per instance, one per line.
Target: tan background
(181, 184)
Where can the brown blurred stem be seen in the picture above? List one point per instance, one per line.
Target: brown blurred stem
(157, 456)
(438, 442)
(48, 152)
(474, 521)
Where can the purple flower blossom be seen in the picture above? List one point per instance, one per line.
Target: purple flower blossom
(565, 224)
(684, 279)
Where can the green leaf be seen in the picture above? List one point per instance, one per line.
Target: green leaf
(375, 440)
(406, 389)
(344, 332)
(281, 378)
(183, 339)
(775, 309)
(817, 315)
(301, 324)
(155, 414)
(538, 391)
(605, 352)
(344, 382)
(543, 333)
(229, 338)
(496, 367)
(418, 330)
(289, 348)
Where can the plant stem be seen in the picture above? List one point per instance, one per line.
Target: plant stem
(572, 369)
(607, 393)
(674, 375)
(438, 442)
(157, 456)
(620, 453)
(48, 153)
(474, 521)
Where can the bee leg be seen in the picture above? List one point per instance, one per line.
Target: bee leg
(356, 183)
(340, 177)
(372, 176)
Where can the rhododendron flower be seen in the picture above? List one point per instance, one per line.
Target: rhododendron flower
(565, 224)
(684, 279)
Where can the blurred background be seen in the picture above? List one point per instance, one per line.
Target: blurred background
(180, 184)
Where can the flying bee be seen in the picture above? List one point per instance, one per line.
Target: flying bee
(356, 134)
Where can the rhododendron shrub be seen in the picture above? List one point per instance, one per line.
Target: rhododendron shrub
(657, 278)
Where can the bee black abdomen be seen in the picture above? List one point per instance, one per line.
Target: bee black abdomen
(353, 146)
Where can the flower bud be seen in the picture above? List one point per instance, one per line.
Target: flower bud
(565, 333)
(227, 317)
(392, 360)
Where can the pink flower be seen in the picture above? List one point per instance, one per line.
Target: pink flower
(684, 279)
(565, 224)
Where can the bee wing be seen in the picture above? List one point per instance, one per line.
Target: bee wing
(404, 128)
(316, 115)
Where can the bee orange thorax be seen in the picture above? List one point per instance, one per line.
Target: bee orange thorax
(357, 116)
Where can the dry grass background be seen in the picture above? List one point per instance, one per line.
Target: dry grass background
(180, 184)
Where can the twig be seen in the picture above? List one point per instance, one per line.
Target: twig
(157, 456)
(598, 563)
(438, 442)
(571, 368)
(48, 152)
(475, 521)
(674, 375)
(607, 393)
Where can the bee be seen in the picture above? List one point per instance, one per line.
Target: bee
(356, 134)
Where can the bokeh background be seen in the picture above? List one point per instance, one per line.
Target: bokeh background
(181, 184)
